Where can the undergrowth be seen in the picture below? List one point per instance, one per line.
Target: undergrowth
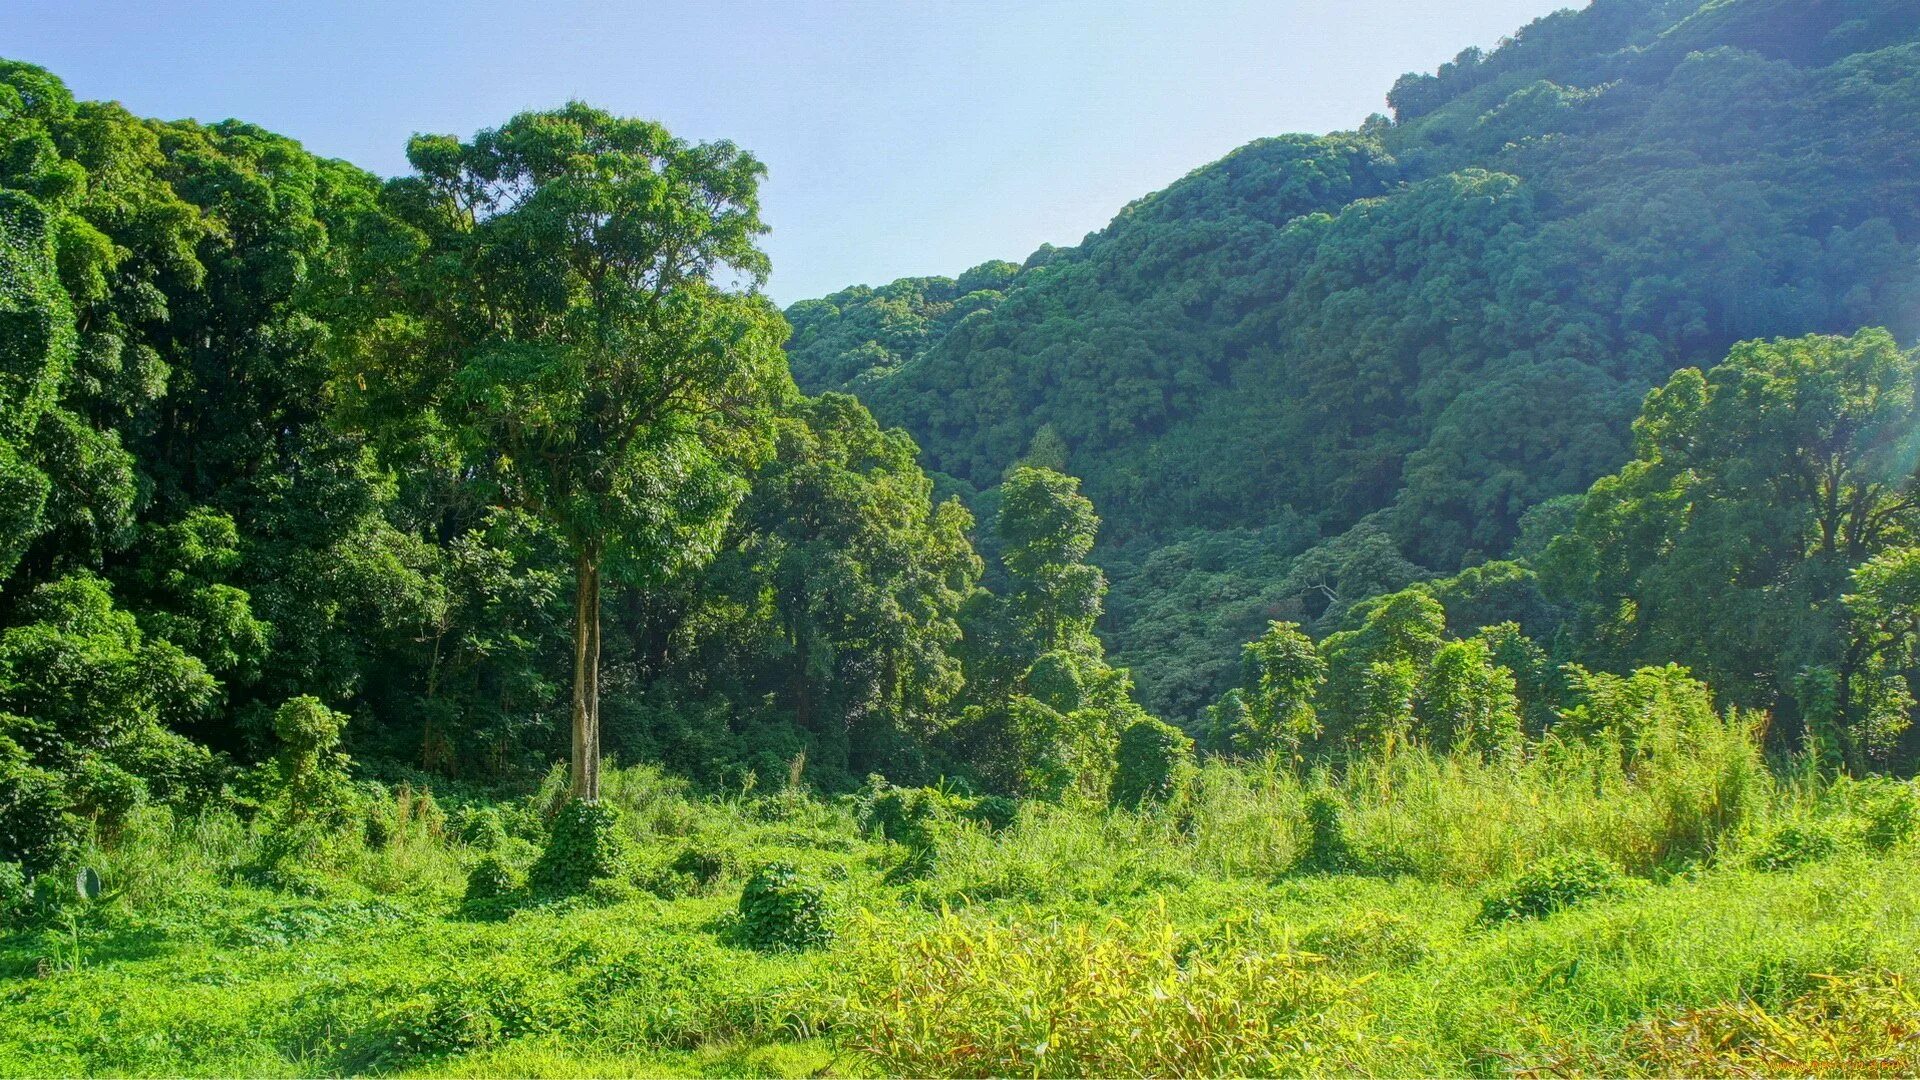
(1425, 915)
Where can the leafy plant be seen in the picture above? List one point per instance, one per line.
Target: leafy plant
(584, 845)
(1153, 763)
(1795, 844)
(1327, 848)
(780, 911)
(1550, 885)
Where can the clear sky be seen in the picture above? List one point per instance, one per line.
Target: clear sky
(901, 138)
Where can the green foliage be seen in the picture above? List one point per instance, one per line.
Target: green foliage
(15, 891)
(1757, 488)
(1891, 815)
(1637, 712)
(781, 911)
(1795, 844)
(1072, 999)
(1468, 702)
(1371, 937)
(492, 883)
(1326, 847)
(482, 829)
(705, 865)
(312, 775)
(1550, 886)
(1152, 765)
(584, 845)
(38, 829)
(1283, 670)
(1046, 528)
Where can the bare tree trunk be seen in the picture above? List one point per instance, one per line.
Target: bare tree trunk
(586, 675)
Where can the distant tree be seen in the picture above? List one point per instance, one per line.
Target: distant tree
(1467, 702)
(1046, 531)
(1048, 708)
(1282, 670)
(1152, 763)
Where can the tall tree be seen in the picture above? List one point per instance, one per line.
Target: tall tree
(586, 318)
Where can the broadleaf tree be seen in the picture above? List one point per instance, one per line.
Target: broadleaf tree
(584, 315)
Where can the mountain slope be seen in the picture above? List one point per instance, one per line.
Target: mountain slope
(1420, 330)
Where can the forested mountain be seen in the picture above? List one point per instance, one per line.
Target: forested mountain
(1326, 366)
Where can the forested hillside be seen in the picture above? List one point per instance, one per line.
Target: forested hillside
(1324, 367)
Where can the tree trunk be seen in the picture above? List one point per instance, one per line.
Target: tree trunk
(586, 675)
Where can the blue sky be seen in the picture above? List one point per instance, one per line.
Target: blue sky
(901, 138)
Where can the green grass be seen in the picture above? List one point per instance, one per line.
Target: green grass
(1076, 941)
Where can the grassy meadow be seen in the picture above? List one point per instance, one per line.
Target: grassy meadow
(1419, 914)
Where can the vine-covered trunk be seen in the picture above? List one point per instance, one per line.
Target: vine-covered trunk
(586, 675)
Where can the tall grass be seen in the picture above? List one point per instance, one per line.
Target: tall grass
(1125, 997)
(1202, 937)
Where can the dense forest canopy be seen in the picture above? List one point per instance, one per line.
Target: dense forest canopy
(1322, 366)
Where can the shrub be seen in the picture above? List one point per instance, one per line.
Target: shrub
(781, 912)
(379, 818)
(1326, 848)
(491, 878)
(1550, 885)
(608, 891)
(584, 844)
(482, 829)
(704, 865)
(996, 812)
(312, 775)
(37, 827)
(106, 790)
(16, 892)
(1152, 763)
(1795, 845)
(900, 814)
(1890, 815)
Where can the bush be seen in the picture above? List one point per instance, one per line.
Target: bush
(583, 845)
(704, 865)
(492, 882)
(905, 815)
(379, 818)
(37, 827)
(482, 829)
(1550, 885)
(1326, 848)
(16, 892)
(106, 790)
(312, 775)
(1152, 763)
(1890, 815)
(780, 912)
(1795, 845)
(996, 812)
